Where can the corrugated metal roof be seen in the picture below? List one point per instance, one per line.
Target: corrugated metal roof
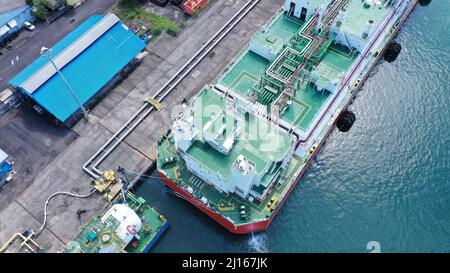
(68, 54)
(3, 156)
(88, 71)
(6, 17)
(4, 29)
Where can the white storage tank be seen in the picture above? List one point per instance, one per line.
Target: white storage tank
(130, 223)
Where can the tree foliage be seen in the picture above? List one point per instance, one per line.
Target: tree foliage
(41, 8)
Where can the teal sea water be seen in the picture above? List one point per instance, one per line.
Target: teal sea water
(387, 180)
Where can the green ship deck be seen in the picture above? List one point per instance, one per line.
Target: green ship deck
(257, 143)
(260, 141)
(89, 239)
(226, 205)
(248, 68)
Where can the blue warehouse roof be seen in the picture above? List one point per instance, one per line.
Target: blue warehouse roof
(6, 17)
(89, 57)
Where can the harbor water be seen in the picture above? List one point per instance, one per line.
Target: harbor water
(383, 186)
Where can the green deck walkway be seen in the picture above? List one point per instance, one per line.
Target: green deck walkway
(246, 73)
(247, 69)
(242, 75)
(308, 101)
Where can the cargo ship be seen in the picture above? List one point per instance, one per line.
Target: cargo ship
(238, 148)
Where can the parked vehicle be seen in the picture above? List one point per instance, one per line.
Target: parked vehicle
(29, 26)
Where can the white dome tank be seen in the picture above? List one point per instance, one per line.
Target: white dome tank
(130, 223)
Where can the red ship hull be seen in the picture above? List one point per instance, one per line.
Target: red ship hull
(263, 225)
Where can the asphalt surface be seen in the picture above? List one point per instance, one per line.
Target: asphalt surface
(9, 5)
(28, 44)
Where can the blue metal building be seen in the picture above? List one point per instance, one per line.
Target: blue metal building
(13, 21)
(92, 58)
(6, 169)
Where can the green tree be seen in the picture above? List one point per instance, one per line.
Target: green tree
(41, 8)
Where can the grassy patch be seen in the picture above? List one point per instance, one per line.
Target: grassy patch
(133, 14)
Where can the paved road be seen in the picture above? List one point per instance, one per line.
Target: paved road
(28, 44)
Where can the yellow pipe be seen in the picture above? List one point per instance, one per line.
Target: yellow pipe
(24, 243)
(10, 241)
